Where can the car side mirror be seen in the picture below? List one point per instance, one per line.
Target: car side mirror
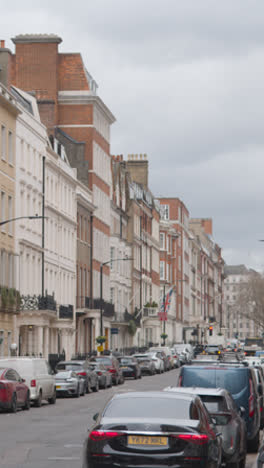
(23, 380)
(242, 411)
(95, 416)
(260, 389)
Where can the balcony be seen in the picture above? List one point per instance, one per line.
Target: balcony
(150, 312)
(84, 302)
(66, 312)
(38, 303)
(108, 307)
(9, 300)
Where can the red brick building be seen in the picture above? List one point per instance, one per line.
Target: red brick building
(70, 107)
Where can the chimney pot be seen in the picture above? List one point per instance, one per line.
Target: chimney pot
(2, 42)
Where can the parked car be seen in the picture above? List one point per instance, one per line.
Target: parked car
(260, 385)
(146, 364)
(153, 429)
(14, 393)
(105, 377)
(69, 383)
(38, 377)
(176, 359)
(130, 367)
(82, 369)
(158, 361)
(212, 349)
(229, 422)
(167, 352)
(239, 380)
(184, 355)
(112, 365)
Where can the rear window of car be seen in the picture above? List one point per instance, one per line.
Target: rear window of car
(106, 361)
(233, 380)
(69, 366)
(141, 407)
(214, 404)
(63, 375)
(126, 361)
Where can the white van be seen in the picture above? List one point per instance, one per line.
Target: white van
(38, 376)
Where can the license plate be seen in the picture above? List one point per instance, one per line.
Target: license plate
(124, 368)
(147, 440)
(58, 386)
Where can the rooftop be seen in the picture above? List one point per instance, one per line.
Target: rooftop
(25, 38)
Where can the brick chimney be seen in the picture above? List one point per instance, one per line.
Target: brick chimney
(5, 64)
(137, 165)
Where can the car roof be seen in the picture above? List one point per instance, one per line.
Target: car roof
(197, 391)
(153, 394)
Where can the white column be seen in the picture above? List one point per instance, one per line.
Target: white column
(46, 342)
(39, 344)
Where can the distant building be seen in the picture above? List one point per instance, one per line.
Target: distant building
(238, 326)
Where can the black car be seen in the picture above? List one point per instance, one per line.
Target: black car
(82, 369)
(239, 380)
(130, 367)
(158, 429)
(229, 422)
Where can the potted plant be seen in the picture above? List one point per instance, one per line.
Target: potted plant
(164, 336)
(100, 339)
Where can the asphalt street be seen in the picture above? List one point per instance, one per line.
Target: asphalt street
(52, 436)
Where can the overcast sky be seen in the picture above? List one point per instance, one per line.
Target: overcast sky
(184, 79)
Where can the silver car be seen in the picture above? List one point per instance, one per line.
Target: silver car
(69, 383)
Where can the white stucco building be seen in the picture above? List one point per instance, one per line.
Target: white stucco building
(46, 322)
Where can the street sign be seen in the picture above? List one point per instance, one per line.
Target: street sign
(100, 348)
(114, 331)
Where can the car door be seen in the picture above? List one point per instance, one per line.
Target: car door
(238, 425)
(13, 378)
(21, 389)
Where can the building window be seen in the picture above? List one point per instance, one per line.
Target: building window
(10, 271)
(165, 212)
(162, 240)
(3, 142)
(3, 209)
(112, 295)
(10, 215)
(10, 147)
(162, 270)
(9, 342)
(112, 255)
(168, 272)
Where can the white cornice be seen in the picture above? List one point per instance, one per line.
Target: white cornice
(84, 98)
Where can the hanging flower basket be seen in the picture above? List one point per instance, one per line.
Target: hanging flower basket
(100, 339)
(164, 336)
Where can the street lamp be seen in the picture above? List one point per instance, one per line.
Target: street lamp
(101, 286)
(22, 217)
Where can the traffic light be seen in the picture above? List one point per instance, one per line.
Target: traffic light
(211, 331)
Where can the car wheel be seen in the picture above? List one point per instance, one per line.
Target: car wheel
(27, 402)
(140, 376)
(111, 383)
(96, 388)
(233, 465)
(38, 402)
(52, 400)
(13, 408)
(253, 444)
(88, 387)
(242, 463)
(105, 384)
(115, 381)
(77, 394)
(136, 376)
(83, 390)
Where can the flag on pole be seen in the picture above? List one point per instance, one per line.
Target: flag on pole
(165, 306)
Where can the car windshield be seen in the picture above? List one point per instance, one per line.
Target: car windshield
(142, 407)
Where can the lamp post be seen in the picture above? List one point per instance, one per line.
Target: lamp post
(101, 286)
(21, 217)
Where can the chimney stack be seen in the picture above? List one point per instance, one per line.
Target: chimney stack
(2, 44)
(137, 166)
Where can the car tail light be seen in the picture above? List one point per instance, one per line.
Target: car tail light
(82, 373)
(112, 370)
(199, 439)
(99, 373)
(104, 435)
(251, 400)
(180, 381)
(33, 383)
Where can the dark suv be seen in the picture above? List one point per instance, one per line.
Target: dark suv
(112, 365)
(240, 381)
